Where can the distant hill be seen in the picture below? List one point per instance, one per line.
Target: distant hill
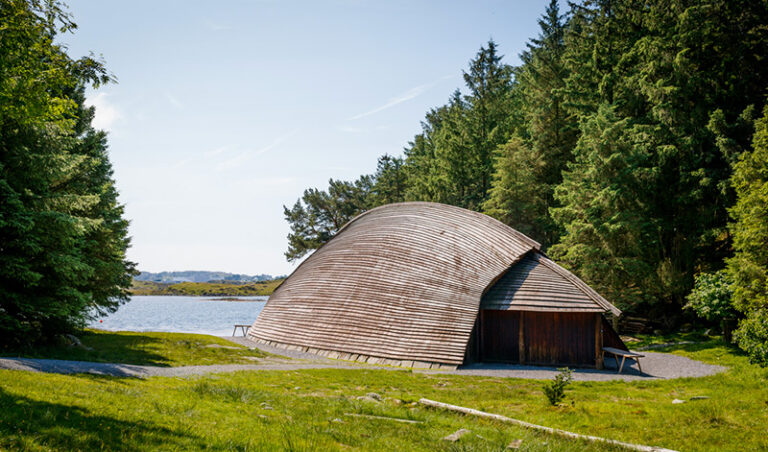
(202, 276)
(198, 289)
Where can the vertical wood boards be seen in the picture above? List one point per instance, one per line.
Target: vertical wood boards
(554, 338)
(545, 338)
(500, 332)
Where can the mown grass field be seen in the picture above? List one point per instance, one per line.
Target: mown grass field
(154, 349)
(306, 410)
(199, 289)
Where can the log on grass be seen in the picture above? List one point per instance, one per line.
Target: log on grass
(552, 431)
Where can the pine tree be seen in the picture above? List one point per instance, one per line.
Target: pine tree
(319, 214)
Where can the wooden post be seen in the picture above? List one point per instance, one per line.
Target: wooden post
(598, 341)
(521, 339)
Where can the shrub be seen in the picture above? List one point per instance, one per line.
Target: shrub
(712, 299)
(555, 389)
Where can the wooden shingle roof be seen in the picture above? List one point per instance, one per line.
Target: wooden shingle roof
(400, 283)
(536, 283)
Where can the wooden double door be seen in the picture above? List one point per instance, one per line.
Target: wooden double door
(546, 338)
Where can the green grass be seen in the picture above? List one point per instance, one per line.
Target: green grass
(195, 289)
(156, 349)
(231, 411)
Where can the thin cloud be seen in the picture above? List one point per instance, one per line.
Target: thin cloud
(242, 157)
(174, 101)
(213, 26)
(404, 97)
(106, 113)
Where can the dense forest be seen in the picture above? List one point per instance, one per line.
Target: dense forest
(62, 233)
(632, 142)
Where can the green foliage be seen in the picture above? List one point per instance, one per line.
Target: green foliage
(63, 236)
(752, 335)
(662, 112)
(711, 297)
(555, 389)
(748, 268)
(530, 165)
(318, 215)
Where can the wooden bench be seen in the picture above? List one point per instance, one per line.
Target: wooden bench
(624, 355)
(243, 328)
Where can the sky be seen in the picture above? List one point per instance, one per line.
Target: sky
(224, 112)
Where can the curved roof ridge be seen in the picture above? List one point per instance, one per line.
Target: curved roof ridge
(534, 244)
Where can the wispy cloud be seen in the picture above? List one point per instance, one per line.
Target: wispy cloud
(106, 112)
(214, 26)
(412, 93)
(350, 129)
(174, 101)
(242, 157)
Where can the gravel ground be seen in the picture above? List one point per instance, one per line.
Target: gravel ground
(655, 366)
(127, 370)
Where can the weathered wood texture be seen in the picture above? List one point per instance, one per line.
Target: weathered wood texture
(547, 338)
(538, 284)
(553, 338)
(500, 336)
(400, 282)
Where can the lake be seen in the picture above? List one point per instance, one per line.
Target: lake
(178, 314)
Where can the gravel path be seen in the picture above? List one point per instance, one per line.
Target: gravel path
(128, 370)
(655, 366)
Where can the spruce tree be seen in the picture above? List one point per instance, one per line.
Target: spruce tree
(62, 235)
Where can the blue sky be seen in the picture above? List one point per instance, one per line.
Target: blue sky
(226, 111)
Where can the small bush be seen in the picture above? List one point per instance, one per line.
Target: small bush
(555, 389)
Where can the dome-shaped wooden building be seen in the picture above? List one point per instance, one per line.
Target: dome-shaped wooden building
(431, 285)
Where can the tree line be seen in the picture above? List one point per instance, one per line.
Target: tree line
(63, 235)
(631, 141)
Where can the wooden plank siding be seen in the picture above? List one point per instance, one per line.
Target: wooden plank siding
(560, 338)
(500, 336)
(402, 282)
(538, 284)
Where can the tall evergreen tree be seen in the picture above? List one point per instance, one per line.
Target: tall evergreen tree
(531, 164)
(62, 236)
(390, 181)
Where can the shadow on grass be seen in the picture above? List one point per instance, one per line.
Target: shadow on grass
(700, 346)
(104, 347)
(30, 424)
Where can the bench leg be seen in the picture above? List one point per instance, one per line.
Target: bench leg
(638, 365)
(234, 331)
(617, 360)
(622, 363)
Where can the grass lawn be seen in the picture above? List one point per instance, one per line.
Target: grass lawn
(155, 349)
(305, 410)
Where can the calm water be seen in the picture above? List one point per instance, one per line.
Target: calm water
(205, 315)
